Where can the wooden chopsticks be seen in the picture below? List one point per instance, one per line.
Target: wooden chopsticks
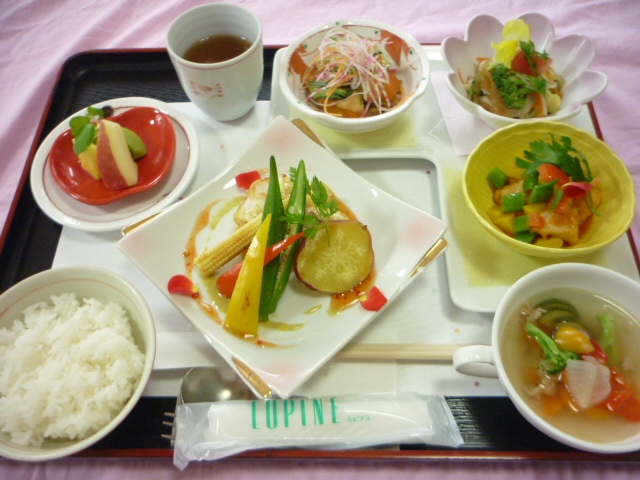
(415, 352)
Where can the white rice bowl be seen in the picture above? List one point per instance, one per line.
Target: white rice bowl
(76, 350)
(67, 369)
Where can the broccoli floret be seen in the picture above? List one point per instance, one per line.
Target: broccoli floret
(555, 358)
(514, 87)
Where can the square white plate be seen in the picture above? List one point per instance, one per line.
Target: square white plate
(401, 233)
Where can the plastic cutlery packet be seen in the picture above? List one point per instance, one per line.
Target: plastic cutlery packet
(211, 431)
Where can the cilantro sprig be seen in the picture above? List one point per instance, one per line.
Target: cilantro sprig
(563, 155)
(559, 153)
(324, 208)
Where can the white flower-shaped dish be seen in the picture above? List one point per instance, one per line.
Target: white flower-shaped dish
(411, 64)
(572, 56)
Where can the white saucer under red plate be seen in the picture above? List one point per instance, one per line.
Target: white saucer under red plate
(66, 210)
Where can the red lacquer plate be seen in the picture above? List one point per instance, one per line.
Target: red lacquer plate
(156, 131)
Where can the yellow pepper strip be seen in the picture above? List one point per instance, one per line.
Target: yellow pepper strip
(573, 340)
(514, 32)
(505, 52)
(244, 306)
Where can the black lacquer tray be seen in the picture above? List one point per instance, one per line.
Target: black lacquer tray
(491, 426)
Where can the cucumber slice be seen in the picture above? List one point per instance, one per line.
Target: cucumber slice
(557, 311)
(551, 318)
(556, 304)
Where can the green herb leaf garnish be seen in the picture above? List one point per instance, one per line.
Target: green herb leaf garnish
(325, 207)
(86, 136)
(318, 193)
(561, 154)
(84, 130)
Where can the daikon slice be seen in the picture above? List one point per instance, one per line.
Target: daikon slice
(602, 387)
(588, 382)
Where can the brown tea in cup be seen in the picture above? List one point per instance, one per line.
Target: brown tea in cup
(216, 48)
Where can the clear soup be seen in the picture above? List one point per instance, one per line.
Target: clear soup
(520, 355)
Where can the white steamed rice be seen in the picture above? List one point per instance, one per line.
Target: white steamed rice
(66, 369)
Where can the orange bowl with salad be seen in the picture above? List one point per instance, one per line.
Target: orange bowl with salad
(354, 75)
(549, 189)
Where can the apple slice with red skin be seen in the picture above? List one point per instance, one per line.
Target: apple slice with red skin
(115, 162)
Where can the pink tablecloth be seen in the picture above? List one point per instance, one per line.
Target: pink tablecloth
(36, 36)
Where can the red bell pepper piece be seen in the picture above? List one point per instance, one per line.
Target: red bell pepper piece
(182, 285)
(274, 250)
(576, 189)
(547, 173)
(373, 300)
(245, 180)
(227, 281)
(598, 353)
(622, 400)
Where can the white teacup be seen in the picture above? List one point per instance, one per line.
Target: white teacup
(489, 361)
(224, 90)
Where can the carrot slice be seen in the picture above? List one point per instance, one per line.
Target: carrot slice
(552, 404)
(539, 104)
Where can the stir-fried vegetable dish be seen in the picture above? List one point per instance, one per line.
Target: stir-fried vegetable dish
(579, 369)
(551, 197)
(519, 81)
(352, 77)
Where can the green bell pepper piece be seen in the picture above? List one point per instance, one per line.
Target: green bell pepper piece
(557, 197)
(497, 178)
(530, 181)
(542, 193)
(525, 237)
(513, 202)
(521, 225)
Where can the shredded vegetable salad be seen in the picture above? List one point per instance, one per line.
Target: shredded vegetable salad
(518, 82)
(352, 77)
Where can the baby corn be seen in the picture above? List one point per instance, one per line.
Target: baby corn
(209, 261)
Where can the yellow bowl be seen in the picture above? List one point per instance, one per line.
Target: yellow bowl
(501, 148)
